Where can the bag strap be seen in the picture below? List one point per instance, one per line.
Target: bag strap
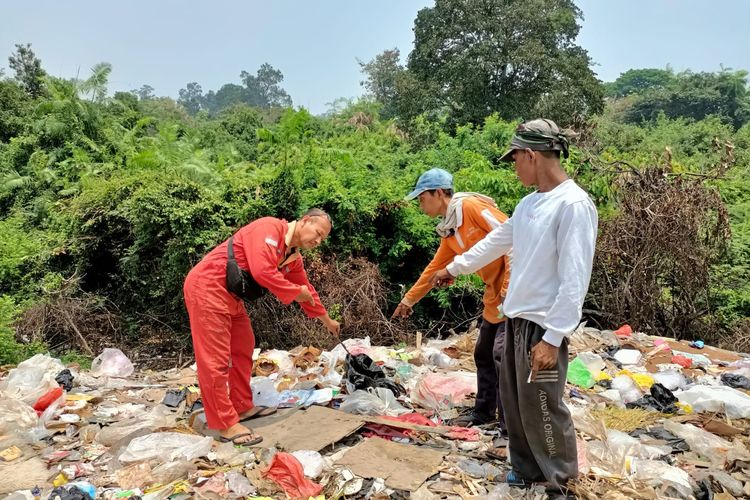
(230, 250)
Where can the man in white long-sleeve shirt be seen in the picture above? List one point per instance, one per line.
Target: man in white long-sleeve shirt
(552, 233)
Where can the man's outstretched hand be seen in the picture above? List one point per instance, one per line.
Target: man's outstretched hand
(442, 278)
(402, 311)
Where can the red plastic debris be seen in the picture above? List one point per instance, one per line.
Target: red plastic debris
(624, 331)
(287, 472)
(50, 397)
(681, 360)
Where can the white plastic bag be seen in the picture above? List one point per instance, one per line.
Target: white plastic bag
(112, 363)
(671, 379)
(16, 415)
(657, 473)
(628, 356)
(702, 442)
(32, 378)
(627, 388)
(312, 462)
(625, 445)
(593, 362)
(379, 401)
(736, 404)
(264, 392)
(167, 447)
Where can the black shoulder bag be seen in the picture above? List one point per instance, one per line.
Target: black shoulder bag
(241, 282)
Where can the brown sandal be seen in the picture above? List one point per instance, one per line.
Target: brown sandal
(236, 437)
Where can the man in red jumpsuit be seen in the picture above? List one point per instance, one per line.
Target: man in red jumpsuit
(223, 340)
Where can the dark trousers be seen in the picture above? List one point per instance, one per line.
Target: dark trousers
(488, 352)
(541, 436)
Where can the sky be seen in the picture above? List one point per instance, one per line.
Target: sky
(316, 44)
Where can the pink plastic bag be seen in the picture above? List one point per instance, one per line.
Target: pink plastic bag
(442, 391)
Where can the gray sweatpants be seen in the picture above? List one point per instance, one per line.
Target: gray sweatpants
(541, 436)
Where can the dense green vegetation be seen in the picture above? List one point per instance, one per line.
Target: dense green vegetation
(106, 202)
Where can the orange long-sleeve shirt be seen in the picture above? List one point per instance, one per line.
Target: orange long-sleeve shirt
(479, 218)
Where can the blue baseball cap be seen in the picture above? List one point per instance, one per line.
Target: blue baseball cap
(435, 178)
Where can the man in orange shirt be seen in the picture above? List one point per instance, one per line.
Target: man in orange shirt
(261, 257)
(466, 219)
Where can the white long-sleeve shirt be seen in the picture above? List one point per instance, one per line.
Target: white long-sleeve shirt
(553, 235)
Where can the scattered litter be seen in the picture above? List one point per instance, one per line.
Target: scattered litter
(655, 418)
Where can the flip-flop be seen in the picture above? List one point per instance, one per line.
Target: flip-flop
(263, 411)
(234, 439)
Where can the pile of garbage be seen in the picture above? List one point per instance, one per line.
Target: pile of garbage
(655, 418)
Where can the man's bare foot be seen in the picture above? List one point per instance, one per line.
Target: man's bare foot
(235, 434)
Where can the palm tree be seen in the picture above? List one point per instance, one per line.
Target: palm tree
(96, 84)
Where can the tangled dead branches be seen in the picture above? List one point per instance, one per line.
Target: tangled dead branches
(67, 320)
(354, 293)
(654, 256)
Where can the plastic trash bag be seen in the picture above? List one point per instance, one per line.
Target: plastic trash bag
(305, 398)
(442, 391)
(167, 447)
(240, 485)
(79, 491)
(702, 442)
(264, 392)
(158, 417)
(362, 373)
(657, 473)
(661, 399)
(627, 388)
(579, 374)
(671, 379)
(735, 381)
(628, 356)
(677, 444)
(286, 471)
(377, 401)
(623, 444)
(735, 403)
(112, 363)
(438, 358)
(65, 379)
(32, 378)
(16, 415)
(696, 359)
(312, 462)
(593, 362)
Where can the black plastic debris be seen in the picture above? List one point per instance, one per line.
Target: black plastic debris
(606, 383)
(677, 444)
(661, 399)
(70, 493)
(362, 372)
(735, 380)
(65, 379)
(174, 397)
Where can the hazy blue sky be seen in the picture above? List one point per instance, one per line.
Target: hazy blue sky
(316, 44)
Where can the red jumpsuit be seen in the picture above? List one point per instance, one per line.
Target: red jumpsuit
(223, 338)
